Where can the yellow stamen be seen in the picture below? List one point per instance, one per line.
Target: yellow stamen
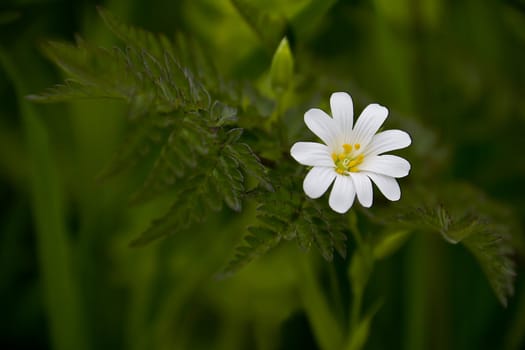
(347, 162)
(353, 163)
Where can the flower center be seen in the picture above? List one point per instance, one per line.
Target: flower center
(346, 161)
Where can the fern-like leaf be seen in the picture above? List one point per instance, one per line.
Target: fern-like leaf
(171, 119)
(220, 179)
(190, 206)
(492, 249)
(181, 152)
(286, 215)
(464, 215)
(258, 242)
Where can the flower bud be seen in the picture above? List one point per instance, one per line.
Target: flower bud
(281, 72)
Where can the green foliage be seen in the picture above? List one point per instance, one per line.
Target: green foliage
(287, 215)
(216, 147)
(196, 152)
(461, 214)
(184, 119)
(268, 26)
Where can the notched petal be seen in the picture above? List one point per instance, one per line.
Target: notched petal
(343, 112)
(387, 164)
(342, 195)
(388, 140)
(363, 189)
(317, 181)
(311, 154)
(387, 185)
(322, 126)
(370, 120)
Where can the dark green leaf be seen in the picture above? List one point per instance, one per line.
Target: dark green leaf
(257, 243)
(267, 25)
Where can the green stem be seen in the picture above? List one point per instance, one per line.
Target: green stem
(54, 251)
(357, 300)
(354, 228)
(325, 327)
(359, 272)
(275, 123)
(415, 295)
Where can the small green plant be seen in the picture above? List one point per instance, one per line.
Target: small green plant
(214, 144)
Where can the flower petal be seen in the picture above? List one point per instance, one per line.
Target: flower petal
(388, 140)
(342, 195)
(363, 188)
(387, 185)
(323, 126)
(370, 120)
(343, 113)
(317, 181)
(311, 154)
(387, 164)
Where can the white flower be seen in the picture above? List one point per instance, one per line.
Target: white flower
(352, 155)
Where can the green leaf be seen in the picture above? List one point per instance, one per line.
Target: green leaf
(69, 90)
(303, 231)
(191, 205)
(288, 215)
(257, 243)
(268, 26)
(145, 134)
(464, 215)
(306, 21)
(250, 163)
(223, 114)
(182, 151)
(171, 121)
(229, 182)
(133, 36)
(493, 250)
(96, 71)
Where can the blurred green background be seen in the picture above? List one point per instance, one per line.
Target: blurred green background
(68, 279)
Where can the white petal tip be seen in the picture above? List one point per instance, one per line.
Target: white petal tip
(379, 108)
(343, 194)
(342, 96)
(394, 197)
(317, 181)
(340, 210)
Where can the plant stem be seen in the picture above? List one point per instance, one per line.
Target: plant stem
(354, 228)
(61, 295)
(325, 327)
(359, 271)
(275, 121)
(357, 299)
